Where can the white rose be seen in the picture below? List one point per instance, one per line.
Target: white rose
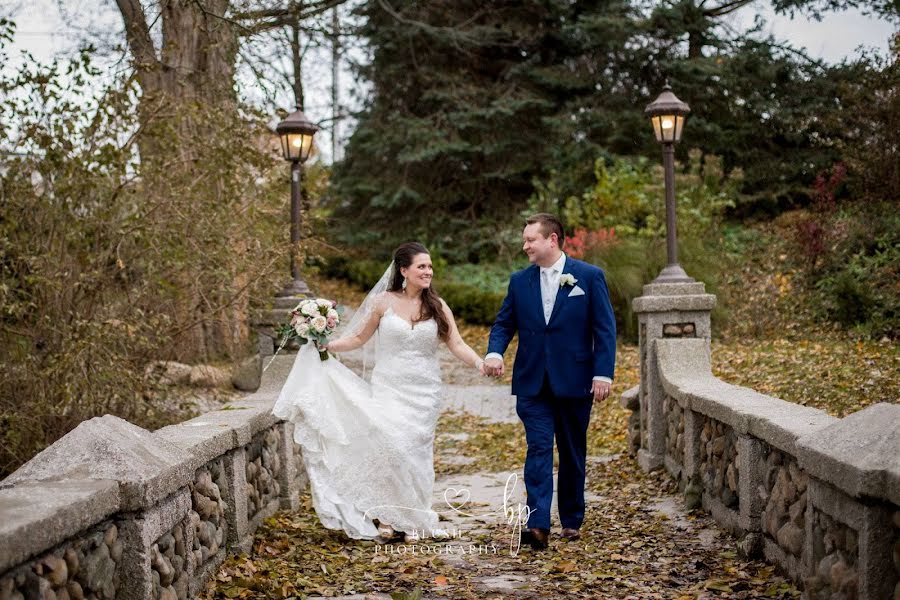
(318, 323)
(332, 314)
(302, 329)
(567, 279)
(323, 303)
(308, 308)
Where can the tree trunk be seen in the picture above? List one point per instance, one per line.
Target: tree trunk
(187, 89)
(193, 68)
(297, 62)
(695, 44)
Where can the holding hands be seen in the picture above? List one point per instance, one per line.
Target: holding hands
(493, 367)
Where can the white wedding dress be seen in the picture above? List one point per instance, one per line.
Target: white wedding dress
(368, 447)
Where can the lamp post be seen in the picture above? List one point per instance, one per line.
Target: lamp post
(667, 114)
(296, 133)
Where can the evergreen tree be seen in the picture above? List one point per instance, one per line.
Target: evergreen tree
(473, 102)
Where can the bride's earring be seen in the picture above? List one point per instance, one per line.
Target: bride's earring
(403, 285)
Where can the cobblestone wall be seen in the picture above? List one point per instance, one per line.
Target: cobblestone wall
(719, 469)
(169, 564)
(207, 516)
(263, 471)
(783, 490)
(85, 567)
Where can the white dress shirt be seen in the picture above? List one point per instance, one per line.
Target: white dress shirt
(549, 280)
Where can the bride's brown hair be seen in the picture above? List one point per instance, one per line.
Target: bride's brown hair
(431, 303)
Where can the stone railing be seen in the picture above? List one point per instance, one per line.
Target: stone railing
(817, 496)
(115, 511)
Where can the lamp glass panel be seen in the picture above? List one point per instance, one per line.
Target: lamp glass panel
(296, 146)
(306, 146)
(667, 125)
(657, 131)
(679, 124)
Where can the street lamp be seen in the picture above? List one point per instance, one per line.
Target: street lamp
(667, 114)
(296, 133)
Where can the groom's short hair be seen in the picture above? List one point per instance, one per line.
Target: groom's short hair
(549, 224)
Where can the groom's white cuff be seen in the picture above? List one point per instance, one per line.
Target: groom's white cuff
(602, 378)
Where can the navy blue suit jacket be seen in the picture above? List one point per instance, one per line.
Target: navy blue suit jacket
(578, 343)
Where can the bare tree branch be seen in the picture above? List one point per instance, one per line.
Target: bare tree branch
(137, 32)
(726, 8)
(293, 10)
(258, 21)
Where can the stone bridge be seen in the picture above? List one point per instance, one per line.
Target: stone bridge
(114, 511)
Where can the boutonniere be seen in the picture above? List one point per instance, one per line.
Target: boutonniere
(567, 279)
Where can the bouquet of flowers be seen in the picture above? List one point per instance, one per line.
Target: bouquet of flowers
(313, 320)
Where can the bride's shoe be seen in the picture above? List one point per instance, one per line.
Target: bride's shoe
(387, 534)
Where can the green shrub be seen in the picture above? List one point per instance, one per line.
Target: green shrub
(473, 304)
(364, 273)
(628, 195)
(854, 271)
(492, 277)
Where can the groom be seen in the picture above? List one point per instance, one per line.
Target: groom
(567, 348)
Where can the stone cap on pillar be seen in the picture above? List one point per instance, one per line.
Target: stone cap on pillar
(146, 467)
(859, 454)
(653, 304)
(665, 297)
(674, 289)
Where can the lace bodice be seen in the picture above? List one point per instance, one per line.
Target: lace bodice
(399, 338)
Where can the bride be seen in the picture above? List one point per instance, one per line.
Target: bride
(368, 447)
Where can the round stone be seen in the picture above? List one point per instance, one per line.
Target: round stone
(75, 591)
(111, 535)
(57, 570)
(71, 558)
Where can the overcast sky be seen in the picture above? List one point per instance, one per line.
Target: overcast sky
(44, 32)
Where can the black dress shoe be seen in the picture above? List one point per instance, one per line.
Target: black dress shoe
(570, 534)
(535, 537)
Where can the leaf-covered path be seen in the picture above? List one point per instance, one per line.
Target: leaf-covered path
(637, 541)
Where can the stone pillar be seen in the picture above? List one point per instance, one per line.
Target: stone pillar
(869, 524)
(664, 310)
(853, 492)
(239, 536)
(142, 534)
(751, 454)
(288, 478)
(690, 475)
